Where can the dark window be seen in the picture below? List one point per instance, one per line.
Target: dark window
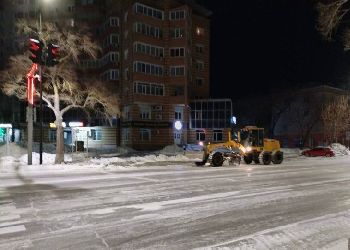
(200, 135)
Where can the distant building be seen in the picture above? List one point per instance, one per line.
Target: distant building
(301, 123)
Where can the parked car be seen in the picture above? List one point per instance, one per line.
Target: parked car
(319, 151)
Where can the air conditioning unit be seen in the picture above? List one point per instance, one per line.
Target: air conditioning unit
(157, 108)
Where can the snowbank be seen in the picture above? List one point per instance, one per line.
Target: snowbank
(47, 158)
(291, 152)
(171, 149)
(138, 160)
(339, 149)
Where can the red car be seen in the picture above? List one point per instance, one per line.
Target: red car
(319, 151)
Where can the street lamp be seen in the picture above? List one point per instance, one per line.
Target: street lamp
(178, 125)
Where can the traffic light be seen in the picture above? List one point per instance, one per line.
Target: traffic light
(36, 47)
(52, 54)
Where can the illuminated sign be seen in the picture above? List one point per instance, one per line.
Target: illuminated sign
(6, 125)
(53, 125)
(76, 124)
(30, 84)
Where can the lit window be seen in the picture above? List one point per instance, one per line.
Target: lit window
(96, 134)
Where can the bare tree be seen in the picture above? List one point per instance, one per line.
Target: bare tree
(63, 87)
(330, 15)
(336, 118)
(304, 119)
(280, 104)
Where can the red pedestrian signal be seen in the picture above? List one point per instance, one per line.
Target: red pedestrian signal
(36, 48)
(30, 84)
(52, 54)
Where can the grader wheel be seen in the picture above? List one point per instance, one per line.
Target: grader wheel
(248, 158)
(265, 158)
(277, 157)
(217, 159)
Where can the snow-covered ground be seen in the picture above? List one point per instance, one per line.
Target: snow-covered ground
(163, 201)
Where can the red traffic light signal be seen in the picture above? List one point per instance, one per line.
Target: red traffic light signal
(30, 84)
(36, 48)
(52, 54)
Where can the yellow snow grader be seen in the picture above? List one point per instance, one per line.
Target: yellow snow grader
(247, 143)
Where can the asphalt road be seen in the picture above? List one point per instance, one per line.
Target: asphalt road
(301, 204)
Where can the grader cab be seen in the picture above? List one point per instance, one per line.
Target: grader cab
(259, 149)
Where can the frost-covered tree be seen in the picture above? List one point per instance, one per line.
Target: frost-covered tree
(332, 20)
(63, 87)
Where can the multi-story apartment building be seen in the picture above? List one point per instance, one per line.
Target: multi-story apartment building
(164, 63)
(155, 57)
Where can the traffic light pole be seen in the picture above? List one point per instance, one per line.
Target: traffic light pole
(41, 115)
(30, 133)
(41, 102)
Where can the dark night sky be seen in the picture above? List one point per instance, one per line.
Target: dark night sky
(262, 45)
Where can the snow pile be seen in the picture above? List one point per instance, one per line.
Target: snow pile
(291, 152)
(138, 160)
(47, 158)
(12, 149)
(171, 149)
(125, 150)
(339, 149)
(194, 147)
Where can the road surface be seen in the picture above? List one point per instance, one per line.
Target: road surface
(301, 204)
